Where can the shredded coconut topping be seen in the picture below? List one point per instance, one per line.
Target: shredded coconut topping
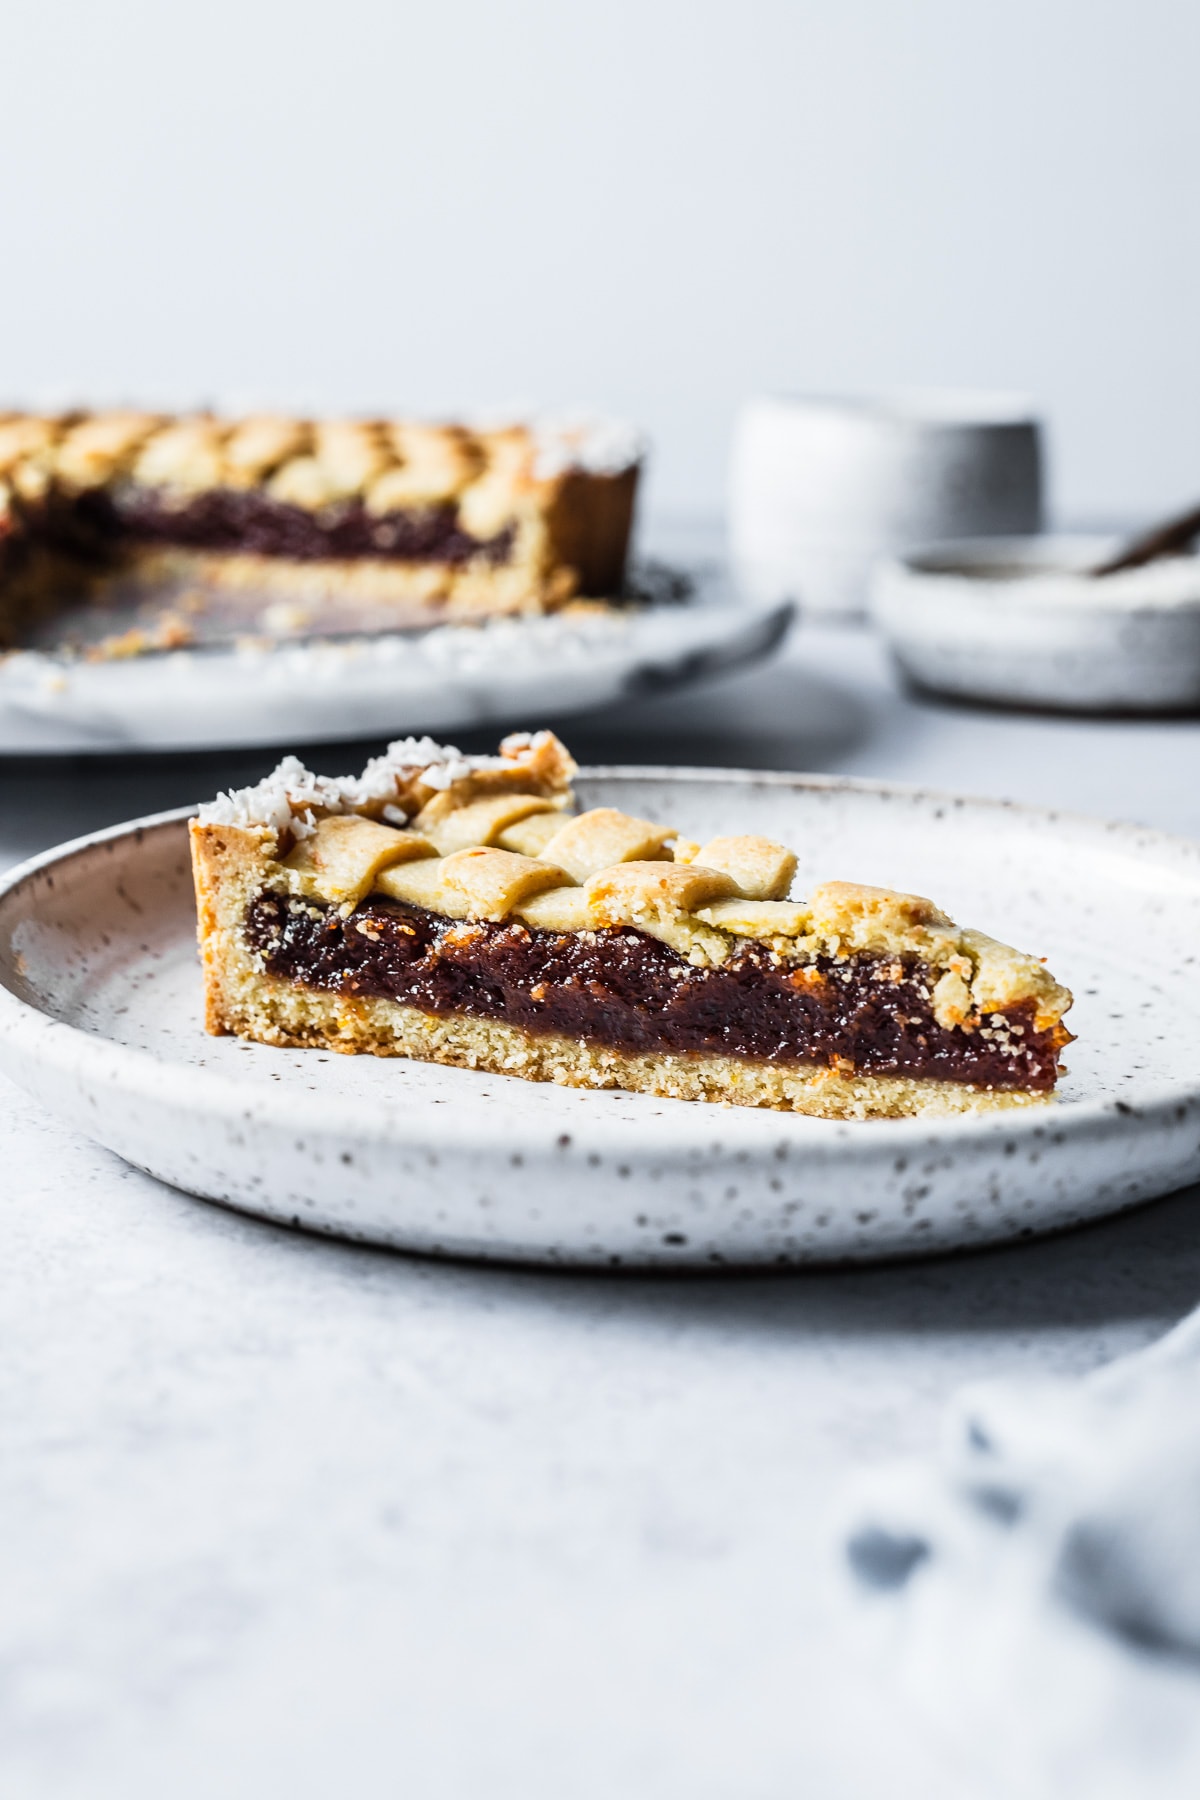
(284, 799)
(403, 757)
(576, 441)
(438, 765)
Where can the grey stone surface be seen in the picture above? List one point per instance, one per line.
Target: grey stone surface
(286, 1516)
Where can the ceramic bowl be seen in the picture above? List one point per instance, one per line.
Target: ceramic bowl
(820, 488)
(1022, 623)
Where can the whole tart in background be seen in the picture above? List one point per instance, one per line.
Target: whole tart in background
(126, 531)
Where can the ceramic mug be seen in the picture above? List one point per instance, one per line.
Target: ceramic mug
(821, 488)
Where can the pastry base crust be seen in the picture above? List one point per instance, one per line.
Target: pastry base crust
(476, 588)
(276, 1012)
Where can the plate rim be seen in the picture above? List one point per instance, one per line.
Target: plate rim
(210, 1091)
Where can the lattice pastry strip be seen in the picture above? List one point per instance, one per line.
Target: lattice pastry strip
(759, 868)
(343, 858)
(597, 839)
(478, 883)
(485, 821)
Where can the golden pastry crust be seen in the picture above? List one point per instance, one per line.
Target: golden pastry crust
(255, 447)
(99, 448)
(598, 839)
(529, 836)
(632, 891)
(185, 457)
(760, 868)
(343, 857)
(486, 821)
(490, 884)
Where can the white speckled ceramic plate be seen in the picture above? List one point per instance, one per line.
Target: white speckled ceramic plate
(441, 681)
(100, 1006)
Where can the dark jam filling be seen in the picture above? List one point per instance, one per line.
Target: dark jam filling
(232, 519)
(631, 992)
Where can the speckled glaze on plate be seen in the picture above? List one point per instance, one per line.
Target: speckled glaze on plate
(100, 1007)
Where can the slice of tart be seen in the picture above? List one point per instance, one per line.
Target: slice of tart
(344, 521)
(457, 909)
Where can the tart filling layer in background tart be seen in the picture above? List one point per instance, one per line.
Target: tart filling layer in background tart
(239, 515)
(454, 909)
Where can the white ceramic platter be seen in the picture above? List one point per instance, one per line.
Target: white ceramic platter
(441, 681)
(99, 1018)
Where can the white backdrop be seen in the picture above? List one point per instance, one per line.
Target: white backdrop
(651, 206)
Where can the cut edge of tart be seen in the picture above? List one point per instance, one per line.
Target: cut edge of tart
(456, 909)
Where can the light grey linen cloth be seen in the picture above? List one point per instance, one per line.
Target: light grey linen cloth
(1036, 1589)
